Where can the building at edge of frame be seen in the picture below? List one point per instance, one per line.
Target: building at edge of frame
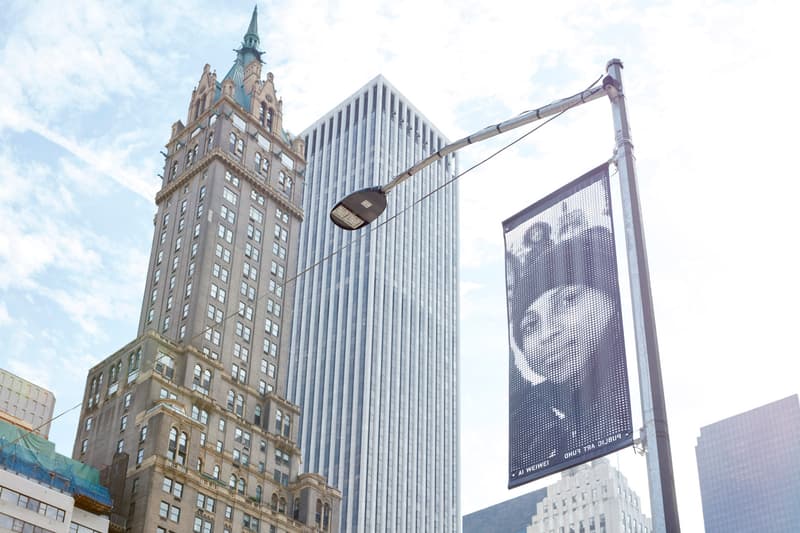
(749, 470)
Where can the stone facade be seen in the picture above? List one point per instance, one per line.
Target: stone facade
(590, 498)
(196, 401)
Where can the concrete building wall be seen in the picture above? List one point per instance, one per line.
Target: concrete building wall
(29, 405)
(590, 498)
(23, 501)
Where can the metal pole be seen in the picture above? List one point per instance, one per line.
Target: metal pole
(663, 502)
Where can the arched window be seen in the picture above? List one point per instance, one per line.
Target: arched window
(240, 405)
(258, 493)
(296, 509)
(278, 421)
(94, 390)
(232, 142)
(274, 502)
(232, 482)
(257, 415)
(326, 515)
(231, 399)
(200, 105)
(257, 162)
(215, 472)
(287, 425)
(282, 506)
(133, 360)
(318, 512)
(262, 114)
(240, 486)
(202, 379)
(210, 141)
(201, 415)
(165, 365)
(268, 123)
(183, 442)
(172, 445)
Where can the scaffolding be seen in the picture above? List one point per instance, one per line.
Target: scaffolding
(34, 457)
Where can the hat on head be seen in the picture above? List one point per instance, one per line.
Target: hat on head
(544, 227)
(587, 258)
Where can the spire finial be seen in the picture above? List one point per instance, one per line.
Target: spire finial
(251, 39)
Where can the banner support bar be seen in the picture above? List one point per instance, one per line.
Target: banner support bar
(663, 502)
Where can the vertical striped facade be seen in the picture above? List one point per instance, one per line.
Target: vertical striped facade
(374, 355)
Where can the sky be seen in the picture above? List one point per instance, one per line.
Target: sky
(91, 89)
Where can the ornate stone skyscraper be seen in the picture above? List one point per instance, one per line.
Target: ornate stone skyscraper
(374, 362)
(196, 401)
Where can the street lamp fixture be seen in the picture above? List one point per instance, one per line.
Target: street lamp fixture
(360, 208)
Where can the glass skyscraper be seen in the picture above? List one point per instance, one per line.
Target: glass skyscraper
(374, 355)
(749, 467)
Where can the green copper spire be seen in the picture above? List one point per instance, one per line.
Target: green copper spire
(245, 55)
(249, 50)
(251, 39)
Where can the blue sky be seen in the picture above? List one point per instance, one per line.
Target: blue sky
(92, 88)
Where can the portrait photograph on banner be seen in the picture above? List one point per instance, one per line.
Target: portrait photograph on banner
(569, 397)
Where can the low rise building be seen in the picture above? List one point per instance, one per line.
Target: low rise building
(25, 404)
(42, 491)
(590, 498)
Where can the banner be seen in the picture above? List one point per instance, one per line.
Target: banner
(569, 400)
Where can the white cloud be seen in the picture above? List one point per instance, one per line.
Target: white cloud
(5, 318)
(42, 246)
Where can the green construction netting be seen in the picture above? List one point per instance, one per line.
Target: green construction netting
(35, 457)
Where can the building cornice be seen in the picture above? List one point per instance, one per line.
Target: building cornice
(218, 154)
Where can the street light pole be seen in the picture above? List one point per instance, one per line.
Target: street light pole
(362, 207)
(663, 502)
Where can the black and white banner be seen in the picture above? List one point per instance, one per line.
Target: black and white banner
(568, 383)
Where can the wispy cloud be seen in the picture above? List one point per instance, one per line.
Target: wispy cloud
(44, 233)
(72, 74)
(5, 318)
